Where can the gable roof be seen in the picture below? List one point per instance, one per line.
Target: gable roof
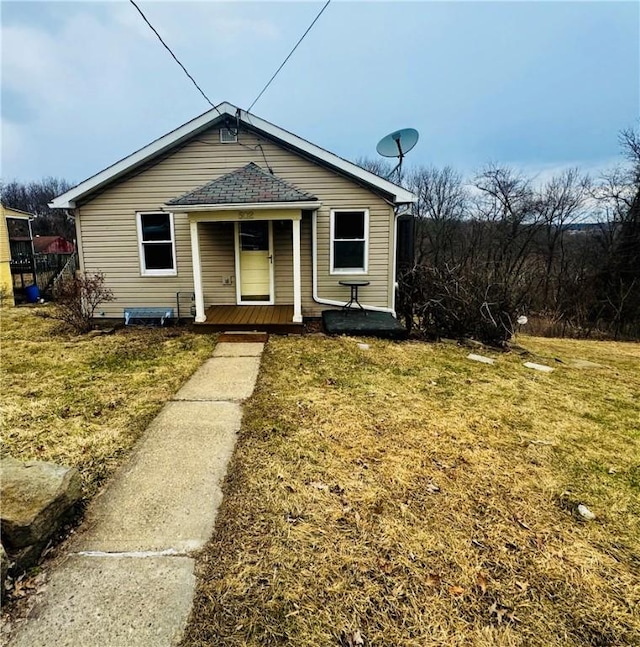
(247, 184)
(226, 113)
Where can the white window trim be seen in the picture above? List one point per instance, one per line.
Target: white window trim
(349, 270)
(143, 270)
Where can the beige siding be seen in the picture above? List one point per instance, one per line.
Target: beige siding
(110, 241)
(218, 262)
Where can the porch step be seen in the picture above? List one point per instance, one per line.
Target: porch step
(243, 337)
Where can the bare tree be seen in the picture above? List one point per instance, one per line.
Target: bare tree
(441, 207)
(562, 201)
(34, 198)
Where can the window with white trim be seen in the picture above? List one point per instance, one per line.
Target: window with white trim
(349, 241)
(157, 244)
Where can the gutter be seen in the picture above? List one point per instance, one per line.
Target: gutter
(314, 272)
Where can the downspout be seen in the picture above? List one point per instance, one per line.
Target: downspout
(314, 271)
(399, 210)
(395, 260)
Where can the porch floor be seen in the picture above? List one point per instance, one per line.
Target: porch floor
(275, 319)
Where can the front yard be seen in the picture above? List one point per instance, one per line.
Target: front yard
(84, 401)
(404, 495)
(396, 495)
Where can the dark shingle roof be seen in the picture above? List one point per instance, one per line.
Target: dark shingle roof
(249, 184)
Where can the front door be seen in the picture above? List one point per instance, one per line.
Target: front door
(254, 258)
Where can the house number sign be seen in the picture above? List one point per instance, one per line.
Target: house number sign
(246, 215)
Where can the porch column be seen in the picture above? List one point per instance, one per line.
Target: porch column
(297, 282)
(201, 317)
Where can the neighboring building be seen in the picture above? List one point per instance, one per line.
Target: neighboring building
(241, 213)
(47, 244)
(6, 276)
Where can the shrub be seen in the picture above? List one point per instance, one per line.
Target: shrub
(76, 299)
(448, 302)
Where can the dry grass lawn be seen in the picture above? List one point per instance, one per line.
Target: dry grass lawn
(84, 401)
(404, 495)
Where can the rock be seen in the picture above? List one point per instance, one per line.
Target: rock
(539, 367)
(36, 500)
(585, 513)
(364, 346)
(481, 358)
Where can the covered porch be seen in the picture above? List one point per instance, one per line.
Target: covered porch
(233, 221)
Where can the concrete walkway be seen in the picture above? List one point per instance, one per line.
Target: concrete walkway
(128, 579)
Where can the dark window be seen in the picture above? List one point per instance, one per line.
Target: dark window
(156, 233)
(349, 241)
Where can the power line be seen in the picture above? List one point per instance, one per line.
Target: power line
(290, 54)
(175, 58)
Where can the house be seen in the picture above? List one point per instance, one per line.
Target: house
(57, 245)
(13, 219)
(246, 216)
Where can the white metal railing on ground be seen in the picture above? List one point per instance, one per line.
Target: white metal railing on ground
(69, 269)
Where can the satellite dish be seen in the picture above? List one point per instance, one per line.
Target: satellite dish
(398, 143)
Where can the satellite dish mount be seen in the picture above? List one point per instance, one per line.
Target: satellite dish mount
(397, 144)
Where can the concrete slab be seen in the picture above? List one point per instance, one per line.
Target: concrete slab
(168, 494)
(539, 367)
(238, 349)
(222, 378)
(112, 602)
(481, 358)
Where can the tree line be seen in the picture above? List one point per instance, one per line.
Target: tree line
(500, 246)
(34, 198)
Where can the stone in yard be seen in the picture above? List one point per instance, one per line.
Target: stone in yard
(481, 358)
(538, 367)
(585, 513)
(363, 346)
(36, 498)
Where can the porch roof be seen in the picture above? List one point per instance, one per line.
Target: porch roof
(246, 185)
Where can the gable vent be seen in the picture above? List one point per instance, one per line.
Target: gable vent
(227, 136)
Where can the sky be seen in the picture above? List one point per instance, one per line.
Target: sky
(540, 85)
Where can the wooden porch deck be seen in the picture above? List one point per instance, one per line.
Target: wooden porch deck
(275, 319)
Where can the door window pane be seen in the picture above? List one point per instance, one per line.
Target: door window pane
(254, 236)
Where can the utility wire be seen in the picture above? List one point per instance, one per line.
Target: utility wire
(175, 58)
(290, 54)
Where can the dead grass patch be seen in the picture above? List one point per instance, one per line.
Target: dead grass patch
(84, 401)
(407, 496)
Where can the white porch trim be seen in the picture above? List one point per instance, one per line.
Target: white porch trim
(242, 213)
(201, 316)
(297, 281)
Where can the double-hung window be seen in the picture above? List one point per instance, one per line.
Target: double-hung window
(349, 241)
(157, 244)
